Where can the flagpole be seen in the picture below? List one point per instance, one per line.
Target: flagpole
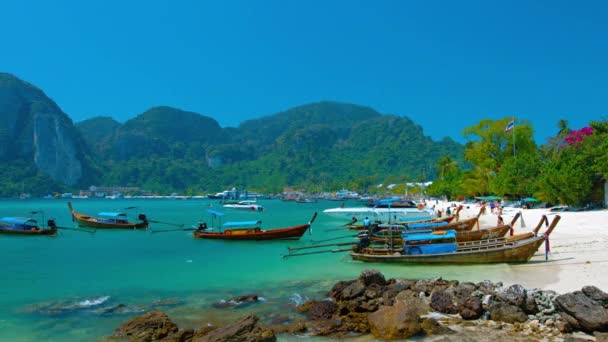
(513, 137)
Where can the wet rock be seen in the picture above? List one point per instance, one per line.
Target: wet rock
(583, 312)
(369, 277)
(353, 290)
(152, 326)
(373, 291)
(461, 291)
(471, 308)
(399, 321)
(514, 295)
(391, 291)
(236, 302)
(488, 287)
(507, 313)
(443, 302)
(336, 290)
(432, 327)
(596, 294)
(322, 309)
(530, 306)
(247, 329)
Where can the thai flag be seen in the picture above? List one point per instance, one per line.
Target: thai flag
(510, 126)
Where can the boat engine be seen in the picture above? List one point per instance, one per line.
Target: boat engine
(51, 223)
(142, 217)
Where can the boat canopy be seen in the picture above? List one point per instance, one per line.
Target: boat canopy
(114, 215)
(241, 224)
(214, 212)
(422, 225)
(429, 235)
(18, 220)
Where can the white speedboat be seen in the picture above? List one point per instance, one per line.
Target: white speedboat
(382, 214)
(245, 205)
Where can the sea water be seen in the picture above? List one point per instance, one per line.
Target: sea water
(79, 286)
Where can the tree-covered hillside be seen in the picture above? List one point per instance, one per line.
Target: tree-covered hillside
(317, 146)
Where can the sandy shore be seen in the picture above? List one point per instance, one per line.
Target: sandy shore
(579, 249)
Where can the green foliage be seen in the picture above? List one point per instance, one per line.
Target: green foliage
(517, 176)
(488, 148)
(318, 147)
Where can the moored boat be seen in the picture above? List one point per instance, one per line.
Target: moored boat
(109, 220)
(442, 248)
(381, 214)
(249, 230)
(26, 226)
(245, 205)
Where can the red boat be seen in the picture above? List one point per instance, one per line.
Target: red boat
(250, 230)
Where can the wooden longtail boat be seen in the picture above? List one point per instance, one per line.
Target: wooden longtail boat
(108, 220)
(514, 249)
(462, 235)
(250, 230)
(437, 224)
(25, 226)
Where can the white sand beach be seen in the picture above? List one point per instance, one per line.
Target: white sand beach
(579, 249)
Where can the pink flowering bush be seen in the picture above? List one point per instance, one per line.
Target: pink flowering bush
(577, 136)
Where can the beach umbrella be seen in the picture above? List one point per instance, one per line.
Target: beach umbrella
(529, 199)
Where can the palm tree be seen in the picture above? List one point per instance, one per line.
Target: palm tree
(446, 165)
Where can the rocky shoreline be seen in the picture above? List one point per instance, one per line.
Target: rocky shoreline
(397, 309)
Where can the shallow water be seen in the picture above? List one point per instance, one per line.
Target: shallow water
(80, 286)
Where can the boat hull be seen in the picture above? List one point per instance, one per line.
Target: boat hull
(482, 253)
(291, 233)
(381, 214)
(50, 231)
(94, 222)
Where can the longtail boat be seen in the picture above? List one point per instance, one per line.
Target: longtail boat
(461, 235)
(109, 220)
(25, 226)
(422, 250)
(250, 230)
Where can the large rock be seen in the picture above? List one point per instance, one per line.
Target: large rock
(583, 312)
(399, 321)
(507, 313)
(336, 290)
(247, 329)
(596, 294)
(152, 326)
(442, 301)
(353, 290)
(322, 309)
(471, 308)
(369, 277)
(514, 295)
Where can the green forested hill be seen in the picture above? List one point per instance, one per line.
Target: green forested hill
(317, 146)
(321, 145)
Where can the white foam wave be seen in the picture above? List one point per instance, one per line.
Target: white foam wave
(92, 302)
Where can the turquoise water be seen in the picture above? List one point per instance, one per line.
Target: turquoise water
(63, 288)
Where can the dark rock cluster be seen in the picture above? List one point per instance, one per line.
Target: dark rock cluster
(399, 308)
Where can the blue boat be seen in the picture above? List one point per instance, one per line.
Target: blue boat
(25, 226)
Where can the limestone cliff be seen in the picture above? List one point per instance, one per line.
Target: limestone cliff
(34, 128)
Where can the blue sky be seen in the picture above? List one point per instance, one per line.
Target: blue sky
(444, 64)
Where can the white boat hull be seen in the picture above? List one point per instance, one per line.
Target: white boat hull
(381, 214)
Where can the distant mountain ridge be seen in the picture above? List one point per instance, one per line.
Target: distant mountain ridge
(164, 149)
